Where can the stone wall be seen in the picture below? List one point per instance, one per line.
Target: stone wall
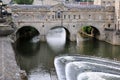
(112, 36)
(108, 37)
(72, 17)
(9, 69)
(105, 2)
(116, 38)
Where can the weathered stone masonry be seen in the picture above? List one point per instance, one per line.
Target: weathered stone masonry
(72, 17)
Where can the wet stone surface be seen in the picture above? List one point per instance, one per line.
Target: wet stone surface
(8, 67)
(1, 62)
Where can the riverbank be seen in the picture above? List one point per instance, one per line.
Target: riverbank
(110, 36)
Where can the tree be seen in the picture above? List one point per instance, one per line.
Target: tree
(23, 1)
(87, 29)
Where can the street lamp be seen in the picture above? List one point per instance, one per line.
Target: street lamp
(1, 3)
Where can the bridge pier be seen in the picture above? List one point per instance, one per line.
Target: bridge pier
(42, 38)
(73, 37)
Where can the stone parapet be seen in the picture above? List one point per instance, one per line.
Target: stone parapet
(8, 66)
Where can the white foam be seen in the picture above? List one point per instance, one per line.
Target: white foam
(97, 76)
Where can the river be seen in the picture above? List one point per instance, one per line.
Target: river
(37, 59)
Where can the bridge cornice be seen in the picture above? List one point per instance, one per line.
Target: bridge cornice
(62, 7)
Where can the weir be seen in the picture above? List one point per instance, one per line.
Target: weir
(8, 67)
(78, 67)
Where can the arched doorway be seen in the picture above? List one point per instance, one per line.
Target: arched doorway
(27, 32)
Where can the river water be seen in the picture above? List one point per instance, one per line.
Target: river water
(37, 58)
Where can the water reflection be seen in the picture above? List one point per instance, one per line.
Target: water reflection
(98, 48)
(39, 63)
(38, 58)
(56, 38)
(26, 48)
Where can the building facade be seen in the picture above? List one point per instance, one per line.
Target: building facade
(53, 2)
(105, 2)
(72, 17)
(46, 2)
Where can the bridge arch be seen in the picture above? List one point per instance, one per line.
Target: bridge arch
(67, 31)
(94, 31)
(26, 32)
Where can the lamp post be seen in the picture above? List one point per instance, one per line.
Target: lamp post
(1, 3)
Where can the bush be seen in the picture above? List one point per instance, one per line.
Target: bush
(87, 29)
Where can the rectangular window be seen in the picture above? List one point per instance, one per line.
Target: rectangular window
(68, 16)
(64, 16)
(79, 16)
(52, 16)
(48, 17)
(59, 15)
(74, 16)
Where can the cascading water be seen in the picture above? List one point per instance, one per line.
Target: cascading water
(97, 76)
(86, 68)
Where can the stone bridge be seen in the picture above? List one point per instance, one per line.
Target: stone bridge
(72, 17)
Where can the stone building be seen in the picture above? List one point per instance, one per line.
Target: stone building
(117, 13)
(46, 2)
(53, 2)
(72, 17)
(105, 2)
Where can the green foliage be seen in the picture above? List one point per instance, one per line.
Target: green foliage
(87, 29)
(23, 1)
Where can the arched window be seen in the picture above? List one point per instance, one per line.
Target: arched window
(58, 14)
